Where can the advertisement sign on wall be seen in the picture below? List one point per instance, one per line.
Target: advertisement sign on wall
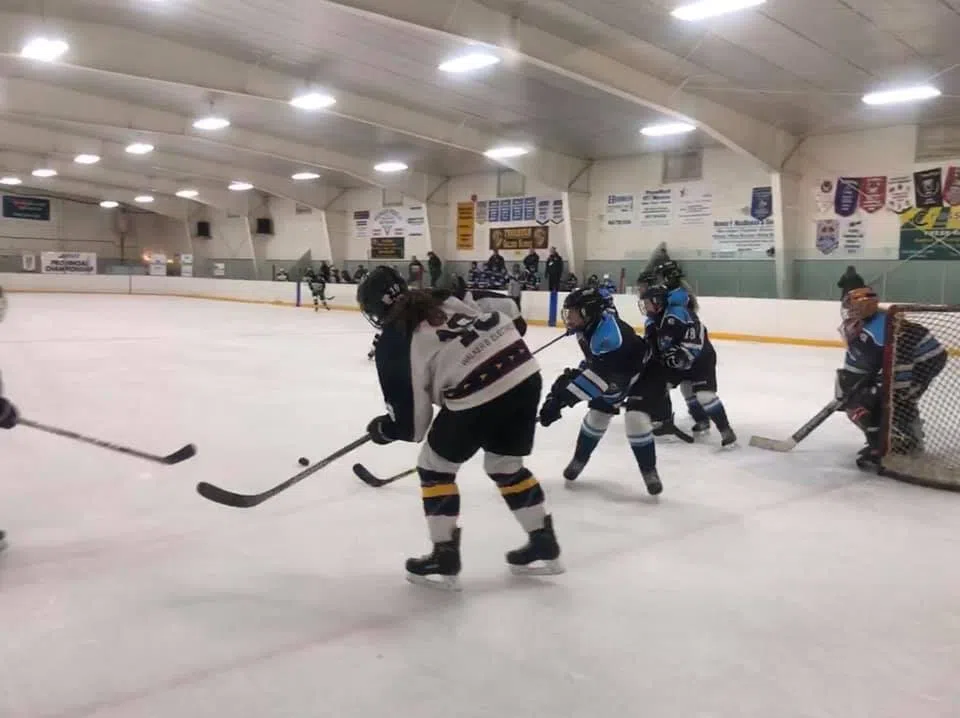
(386, 248)
(35, 208)
(510, 238)
(68, 263)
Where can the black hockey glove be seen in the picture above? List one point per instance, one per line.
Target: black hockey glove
(550, 411)
(676, 359)
(560, 385)
(8, 414)
(382, 430)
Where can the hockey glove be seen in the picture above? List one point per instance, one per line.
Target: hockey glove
(561, 383)
(676, 359)
(8, 414)
(382, 430)
(550, 411)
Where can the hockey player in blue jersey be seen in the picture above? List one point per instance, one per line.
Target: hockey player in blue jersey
(918, 359)
(684, 349)
(615, 373)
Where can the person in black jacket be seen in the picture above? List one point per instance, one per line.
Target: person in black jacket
(496, 263)
(849, 281)
(532, 261)
(434, 268)
(554, 270)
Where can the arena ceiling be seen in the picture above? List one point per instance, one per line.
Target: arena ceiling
(576, 82)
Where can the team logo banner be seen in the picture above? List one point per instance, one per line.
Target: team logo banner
(900, 193)
(873, 193)
(951, 187)
(828, 231)
(824, 196)
(68, 263)
(929, 188)
(761, 203)
(847, 198)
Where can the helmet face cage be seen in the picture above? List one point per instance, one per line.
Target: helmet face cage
(859, 304)
(655, 296)
(589, 304)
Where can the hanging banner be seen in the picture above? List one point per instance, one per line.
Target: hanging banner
(386, 248)
(873, 193)
(465, 225)
(656, 207)
(543, 211)
(828, 231)
(742, 239)
(824, 196)
(951, 187)
(852, 237)
(930, 233)
(694, 205)
(361, 224)
(899, 193)
(68, 263)
(34, 208)
(480, 212)
(761, 203)
(510, 238)
(847, 197)
(929, 188)
(556, 216)
(619, 211)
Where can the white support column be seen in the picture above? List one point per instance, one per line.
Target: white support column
(785, 220)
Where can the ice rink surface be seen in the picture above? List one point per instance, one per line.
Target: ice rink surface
(760, 585)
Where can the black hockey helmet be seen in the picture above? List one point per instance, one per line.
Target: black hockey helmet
(589, 303)
(653, 299)
(670, 274)
(378, 292)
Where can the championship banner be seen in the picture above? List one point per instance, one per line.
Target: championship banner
(828, 231)
(930, 233)
(466, 219)
(823, 197)
(68, 263)
(951, 187)
(386, 248)
(510, 238)
(873, 194)
(761, 203)
(847, 198)
(900, 193)
(929, 188)
(35, 208)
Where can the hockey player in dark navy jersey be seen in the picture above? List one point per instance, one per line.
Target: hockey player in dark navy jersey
(435, 349)
(919, 358)
(614, 374)
(684, 349)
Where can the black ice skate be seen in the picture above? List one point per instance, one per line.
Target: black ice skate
(439, 569)
(541, 555)
(574, 469)
(652, 479)
(868, 459)
(727, 437)
(701, 427)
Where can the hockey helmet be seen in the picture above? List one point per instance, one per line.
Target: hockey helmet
(378, 292)
(860, 304)
(583, 307)
(670, 273)
(653, 300)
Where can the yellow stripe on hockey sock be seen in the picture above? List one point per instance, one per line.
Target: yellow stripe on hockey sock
(434, 492)
(519, 488)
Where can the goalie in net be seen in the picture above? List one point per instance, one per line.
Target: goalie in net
(893, 359)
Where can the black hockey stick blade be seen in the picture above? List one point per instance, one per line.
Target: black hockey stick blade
(176, 457)
(682, 435)
(246, 501)
(367, 477)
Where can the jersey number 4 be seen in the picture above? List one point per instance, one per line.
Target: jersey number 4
(465, 327)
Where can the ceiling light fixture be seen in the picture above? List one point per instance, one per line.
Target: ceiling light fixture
(11, 181)
(44, 172)
(505, 153)
(668, 128)
(712, 8)
(143, 198)
(313, 101)
(300, 176)
(240, 186)
(86, 159)
(44, 49)
(905, 94)
(211, 123)
(140, 148)
(468, 63)
(188, 193)
(109, 204)
(390, 167)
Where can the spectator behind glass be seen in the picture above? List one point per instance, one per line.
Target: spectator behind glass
(554, 270)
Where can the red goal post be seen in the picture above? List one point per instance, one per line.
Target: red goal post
(920, 427)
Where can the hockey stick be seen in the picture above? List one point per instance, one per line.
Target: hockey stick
(371, 479)
(674, 430)
(784, 445)
(181, 454)
(245, 501)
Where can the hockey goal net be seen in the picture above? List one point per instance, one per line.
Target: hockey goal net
(920, 431)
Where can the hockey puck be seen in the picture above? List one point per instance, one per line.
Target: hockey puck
(303, 461)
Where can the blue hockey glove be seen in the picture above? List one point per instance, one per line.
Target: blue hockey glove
(382, 430)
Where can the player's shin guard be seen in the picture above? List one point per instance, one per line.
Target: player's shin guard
(640, 435)
(441, 503)
(592, 429)
(701, 421)
(519, 488)
(714, 408)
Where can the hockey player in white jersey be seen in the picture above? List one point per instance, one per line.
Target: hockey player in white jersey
(436, 349)
(8, 412)
(485, 300)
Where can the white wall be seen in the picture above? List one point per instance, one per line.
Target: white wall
(294, 234)
(417, 243)
(729, 177)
